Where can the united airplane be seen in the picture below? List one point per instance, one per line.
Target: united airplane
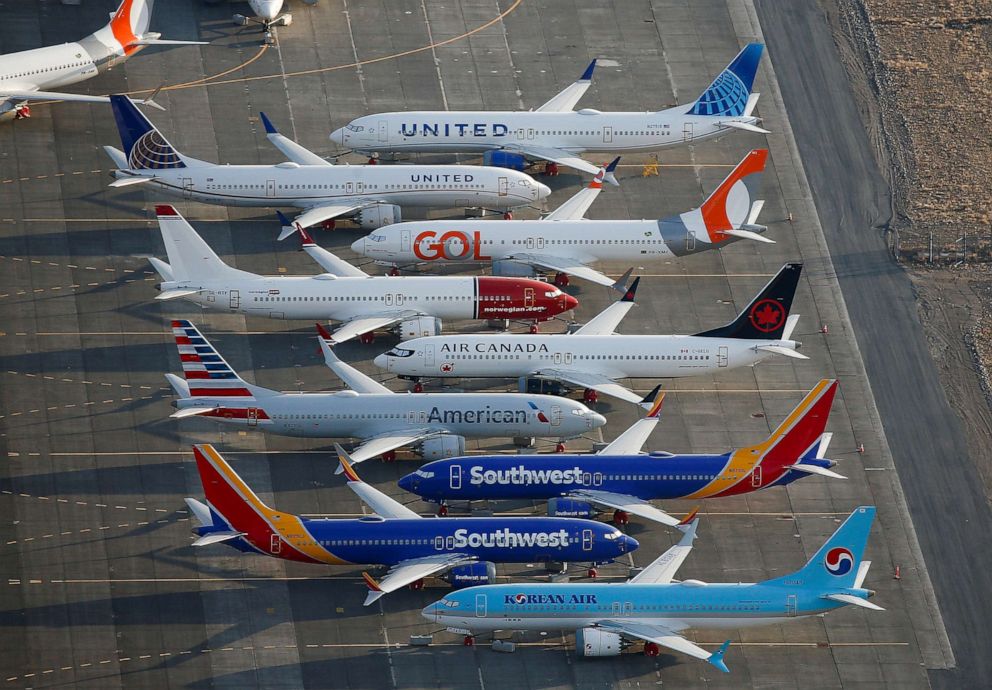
(625, 479)
(412, 547)
(567, 244)
(32, 74)
(436, 424)
(412, 305)
(652, 608)
(557, 133)
(596, 358)
(370, 194)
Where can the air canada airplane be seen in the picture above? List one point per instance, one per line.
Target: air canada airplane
(567, 244)
(555, 132)
(370, 194)
(412, 547)
(436, 423)
(625, 479)
(32, 74)
(596, 358)
(413, 305)
(653, 608)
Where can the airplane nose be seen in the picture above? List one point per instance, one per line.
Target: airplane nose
(269, 9)
(543, 191)
(570, 302)
(596, 420)
(432, 613)
(358, 246)
(629, 544)
(406, 483)
(382, 361)
(337, 136)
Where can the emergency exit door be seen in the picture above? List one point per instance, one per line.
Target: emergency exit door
(504, 186)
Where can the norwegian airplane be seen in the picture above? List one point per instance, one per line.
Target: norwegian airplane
(413, 306)
(622, 477)
(370, 194)
(32, 74)
(596, 358)
(412, 547)
(437, 424)
(555, 132)
(566, 243)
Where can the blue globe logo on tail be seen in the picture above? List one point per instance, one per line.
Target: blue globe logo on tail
(838, 561)
(727, 95)
(152, 151)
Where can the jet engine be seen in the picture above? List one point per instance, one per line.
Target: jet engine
(441, 447)
(9, 110)
(504, 159)
(376, 216)
(419, 327)
(513, 269)
(570, 507)
(596, 642)
(483, 573)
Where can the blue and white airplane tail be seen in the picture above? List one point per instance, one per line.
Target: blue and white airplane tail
(144, 146)
(730, 93)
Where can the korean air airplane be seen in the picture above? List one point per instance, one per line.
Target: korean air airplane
(557, 133)
(567, 244)
(654, 609)
(370, 194)
(437, 424)
(596, 358)
(625, 479)
(412, 547)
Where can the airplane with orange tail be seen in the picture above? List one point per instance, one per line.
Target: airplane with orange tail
(465, 548)
(567, 244)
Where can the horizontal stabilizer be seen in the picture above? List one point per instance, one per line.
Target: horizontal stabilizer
(217, 537)
(165, 42)
(854, 601)
(784, 351)
(162, 268)
(745, 126)
(747, 235)
(191, 412)
(816, 469)
(128, 181)
(200, 511)
(176, 294)
(179, 385)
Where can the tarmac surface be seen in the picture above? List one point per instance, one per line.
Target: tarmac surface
(101, 588)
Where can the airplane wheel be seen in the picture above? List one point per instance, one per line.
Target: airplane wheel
(389, 456)
(469, 641)
(367, 338)
(534, 330)
(328, 224)
(22, 113)
(562, 280)
(593, 573)
(508, 215)
(590, 396)
(620, 518)
(373, 161)
(417, 585)
(394, 271)
(442, 510)
(418, 387)
(560, 448)
(651, 649)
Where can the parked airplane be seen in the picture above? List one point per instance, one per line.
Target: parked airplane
(625, 479)
(30, 74)
(556, 133)
(413, 305)
(267, 13)
(652, 608)
(596, 358)
(567, 243)
(436, 423)
(413, 548)
(371, 194)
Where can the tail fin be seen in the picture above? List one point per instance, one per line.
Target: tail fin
(144, 146)
(131, 21)
(837, 563)
(765, 317)
(206, 372)
(728, 94)
(799, 431)
(190, 258)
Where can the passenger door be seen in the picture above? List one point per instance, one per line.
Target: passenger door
(587, 540)
(235, 300)
(383, 132)
(504, 186)
(270, 188)
(480, 605)
(455, 477)
(607, 135)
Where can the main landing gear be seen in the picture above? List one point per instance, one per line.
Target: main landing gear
(468, 641)
(592, 572)
(367, 338)
(534, 328)
(621, 518)
(442, 510)
(651, 649)
(22, 112)
(389, 456)
(590, 396)
(562, 280)
(417, 585)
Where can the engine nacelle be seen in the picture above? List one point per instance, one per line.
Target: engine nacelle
(420, 327)
(512, 269)
(570, 507)
(441, 447)
(376, 216)
(9, 110)
(504, 159)
(596, 642)
(240, 20)
(473, 574)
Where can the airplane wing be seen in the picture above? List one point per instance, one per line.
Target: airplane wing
(628, 504)
(176, 294)
(293, 151)
(354, 379)
(606, 321)
(406, 572)
(633, 439)
(318, 214)
(597, 382)
(566, 99)
(662, 570)
(576, 207)
(356, 327)
(377, 445)
(380, 503)
(562, 265)
(554, 155)
(52, 96)
(666, 637)
(330, 262)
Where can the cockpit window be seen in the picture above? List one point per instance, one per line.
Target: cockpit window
(377, 238)
(399, 352)
(424, 473)
(354, 128)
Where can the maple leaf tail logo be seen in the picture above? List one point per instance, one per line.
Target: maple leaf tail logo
(767, 315)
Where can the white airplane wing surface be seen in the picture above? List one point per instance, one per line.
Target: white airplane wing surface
(380, 503)
(562, 265)
(407, 572)
(575, 208)
(377, 445)
(662, 570)
(667, 637)
(330, 262)
(597, 382)
(51, 96)
(554, 155)
(318, 214)
(354, 379)
(606, 321)
(633, 439)
(365, 324)
(293, 151)
(626, 503)
(566, 99)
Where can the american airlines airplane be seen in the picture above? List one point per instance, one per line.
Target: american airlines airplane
(371, 194)
(557, 133)
(596, 358)
(436, 424)
(654, 608)
(411, 546)
(566, 243)
(31, 74)
(413, 306)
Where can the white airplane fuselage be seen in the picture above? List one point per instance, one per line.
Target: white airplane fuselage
(47, 68)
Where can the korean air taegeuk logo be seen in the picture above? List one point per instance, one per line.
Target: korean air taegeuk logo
(838, 561)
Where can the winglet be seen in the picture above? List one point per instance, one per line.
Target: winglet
(288, 226)
(628, 296)
(687, 520)
(267, 123)
(345, 464)
(375, 591)
(610, 169)
(716, 658)
(587, 75)
(305, 238)
(621, 283)
(655, 399)
(323, 333)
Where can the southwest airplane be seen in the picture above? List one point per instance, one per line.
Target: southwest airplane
(31, 74)
(556, 133)
(414, 305)
(567, 243)
(623, 478)
(653, 608)
(596, 358)
(411, 546)
(371, 194)
(438, 423)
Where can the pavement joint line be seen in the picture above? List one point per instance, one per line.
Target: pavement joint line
(71, 405)
(8, 492)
